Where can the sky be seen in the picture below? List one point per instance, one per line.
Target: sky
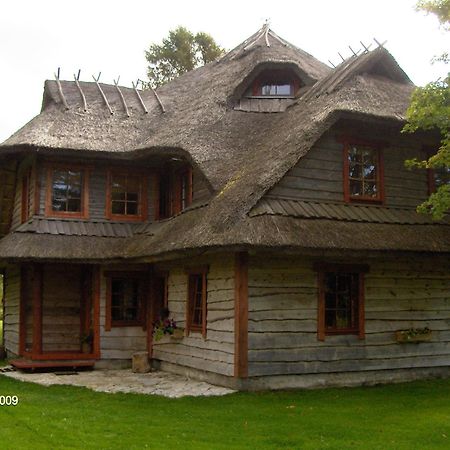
(38, 36)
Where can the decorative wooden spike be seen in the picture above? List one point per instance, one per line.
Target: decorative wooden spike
(266, 34)
(78, 75)
(334, 67)
(281, 41)
(354, 53)
(257, 38)
(122, 97)
(379, 45)
(343, 59)
(83, 98)
(102, 93)
(139, 97)
(366, 49)
(158, 99)
(60, 91)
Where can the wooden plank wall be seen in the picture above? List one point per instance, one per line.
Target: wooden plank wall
(120, 342)
(400, 294)
(7, 194)
(61, 296)
(17, 210)
(12, 306)
(216, 352)
(318, 175)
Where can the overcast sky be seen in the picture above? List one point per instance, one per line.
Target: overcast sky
(37, 37)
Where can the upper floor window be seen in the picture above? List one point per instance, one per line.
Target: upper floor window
(126, 196)
(363, 173)
(175, 192)
(67, 192)
(275, 83)
(437, 177)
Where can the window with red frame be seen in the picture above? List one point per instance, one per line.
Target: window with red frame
(126, 199)
(197, 301)
(175, 192)
(363, 173)
(341, 300)
(67, 192)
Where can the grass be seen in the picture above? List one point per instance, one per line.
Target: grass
(406, 416)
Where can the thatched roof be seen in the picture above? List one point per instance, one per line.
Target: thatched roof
(242, 154)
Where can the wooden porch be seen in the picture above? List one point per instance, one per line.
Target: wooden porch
(28, 364)
(59, 316)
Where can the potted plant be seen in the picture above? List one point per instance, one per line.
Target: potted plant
(413, 335)
(163, 327)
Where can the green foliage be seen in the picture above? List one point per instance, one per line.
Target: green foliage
(180, 52)
(440, 8)
(430, 110)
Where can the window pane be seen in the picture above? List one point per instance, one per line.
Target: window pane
(125, 299)
(118, 207)
(67, 190)
(74, 205)
(355, 188)
(363, 162)
(132, 209)
(118, 196)
(284, 89)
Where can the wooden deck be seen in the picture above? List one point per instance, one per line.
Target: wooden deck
(28, 364)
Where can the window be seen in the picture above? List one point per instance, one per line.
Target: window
(197, 300)
(437, 177)
(341, 300)
(175, 193)
(363, 173)
(275, 83)
(126, 196)
(67, 192)
(125, 295)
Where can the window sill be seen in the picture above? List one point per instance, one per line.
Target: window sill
(126, 324)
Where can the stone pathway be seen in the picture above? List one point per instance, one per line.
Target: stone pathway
(156, 383)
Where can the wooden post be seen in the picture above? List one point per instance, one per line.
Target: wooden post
(241, 315)
(96, 318)
(24, 297)
(37, 309)
(150, 310)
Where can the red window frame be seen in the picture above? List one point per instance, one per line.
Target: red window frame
(197, 277)
(348, 143)
(431, 173)
(27, 179)
(141, 278)
(84, 199)
(142, 196)
(357, 273)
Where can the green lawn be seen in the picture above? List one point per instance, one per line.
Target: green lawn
(407, 416)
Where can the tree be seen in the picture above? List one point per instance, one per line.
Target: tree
(430, 110)
(180, 52)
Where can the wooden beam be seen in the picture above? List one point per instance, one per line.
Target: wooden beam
(96, 310)
(241, 315)
(24, 292)
(37, 309)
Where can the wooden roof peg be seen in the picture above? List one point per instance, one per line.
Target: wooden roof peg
(157, 97)
(343, 59)
(83, 98)
(266, 34)
(116, 83)
(60, 91)
(354, 53)
(139, 97)
(334, 67)
(102, 93)
(366, 49)
(378, 43)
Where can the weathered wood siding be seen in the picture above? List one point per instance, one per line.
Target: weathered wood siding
(12, 309)
(215, 353)
(7, 194)
(16, 220)
(120, 342)
(399, 294)
(318, 176)
(61, 299)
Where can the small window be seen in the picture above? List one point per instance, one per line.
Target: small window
(126, 199)
(438, 177)
(125, 300)
(362, 173)
(341, 300)
(67, 192)
(275, 83)
(197, 301)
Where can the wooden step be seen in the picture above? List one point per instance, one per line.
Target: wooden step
(28, 364)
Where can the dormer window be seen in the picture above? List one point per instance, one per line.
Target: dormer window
(275, 83)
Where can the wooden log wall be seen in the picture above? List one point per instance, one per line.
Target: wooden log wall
(61, 297)
(120, 342)
(7, 194)
(318, 176)
(12, 309)
(399, 294)
(215, 353)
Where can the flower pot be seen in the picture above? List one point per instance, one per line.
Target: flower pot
(406, 336)
(178, 334)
